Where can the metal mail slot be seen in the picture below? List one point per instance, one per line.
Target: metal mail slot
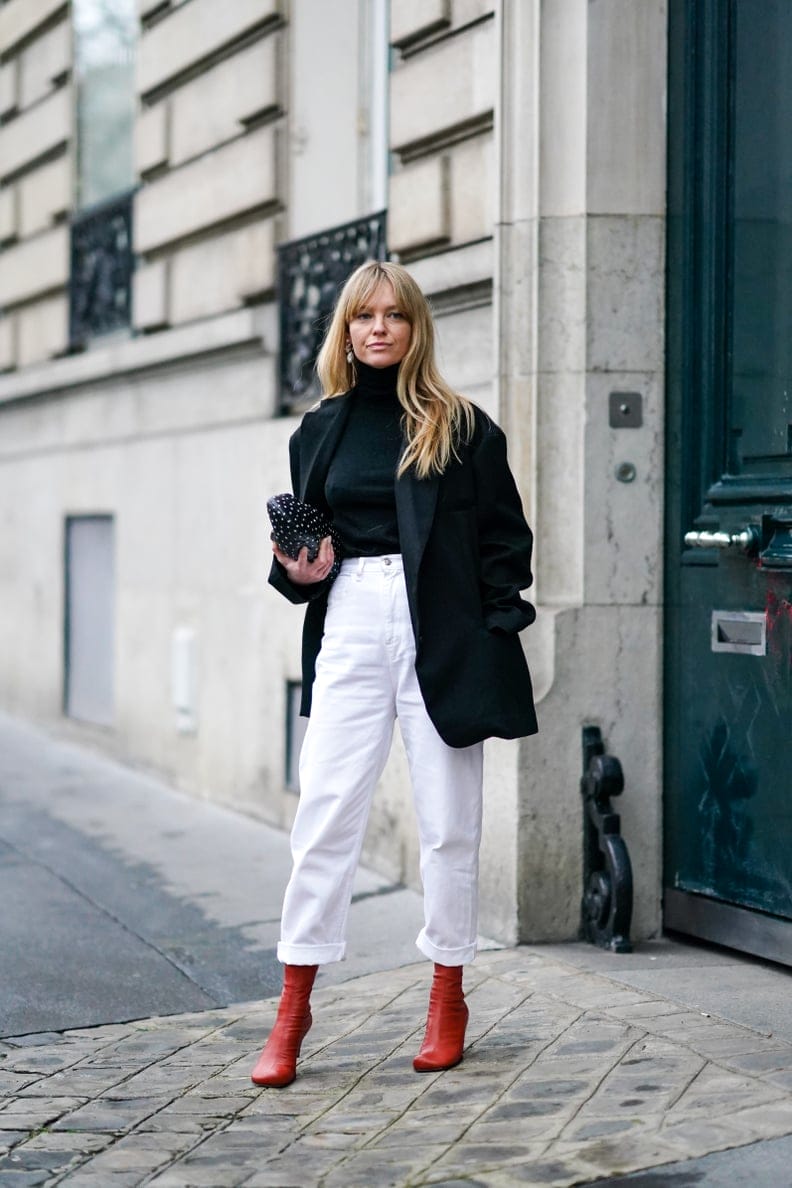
(744, 632)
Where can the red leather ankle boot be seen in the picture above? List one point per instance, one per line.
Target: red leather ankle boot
(444, 1040)
(277, 1064)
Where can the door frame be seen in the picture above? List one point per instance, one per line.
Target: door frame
(698, 349)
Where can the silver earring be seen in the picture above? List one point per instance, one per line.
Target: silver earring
(350, 356)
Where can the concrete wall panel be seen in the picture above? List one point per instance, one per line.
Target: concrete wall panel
(43, 194)
(7, 341)
(411, 19)
(626, 88)
(20, 18)
(220, 273)
(8, 86)
(35, 266)
(463, 11)
(150, 295)
(419, 203)
(445, 86)
(151, 137)
(36, 131)
(472, 189)
(212, 108)
(45, 59)
(562, 115)
(8, 213)
(625, 309)
(218, 186)
(193, 32)
(464, 347)
(43, 330)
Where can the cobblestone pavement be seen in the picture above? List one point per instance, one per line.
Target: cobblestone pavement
(568, 1077)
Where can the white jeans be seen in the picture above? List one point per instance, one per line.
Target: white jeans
(365, 679)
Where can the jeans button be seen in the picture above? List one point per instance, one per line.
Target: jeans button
(387, 560)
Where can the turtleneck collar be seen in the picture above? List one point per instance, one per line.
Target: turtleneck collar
(376, 381)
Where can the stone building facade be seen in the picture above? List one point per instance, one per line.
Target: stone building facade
(518, 149)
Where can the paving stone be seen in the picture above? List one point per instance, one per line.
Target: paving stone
(769, 1060)
(63, 1141)
(14, 1082)
(119, 1159)
(82, 1081)
(10, 1139)
(38, 1061)
(31, 1113)
(101, 1178)
(188, 1124)
(37, 1039)
(102, 1114)
(23, 1159)
(22, 1179)
(364, 1169)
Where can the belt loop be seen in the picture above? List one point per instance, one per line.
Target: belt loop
(360, 566)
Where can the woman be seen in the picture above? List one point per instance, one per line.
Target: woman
(420, 624)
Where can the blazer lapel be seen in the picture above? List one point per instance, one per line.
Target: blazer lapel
(319, 436)
(416, 500)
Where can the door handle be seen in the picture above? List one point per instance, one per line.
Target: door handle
(747, 539)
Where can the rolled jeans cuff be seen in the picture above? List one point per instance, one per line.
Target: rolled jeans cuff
(460, 956)
(310, 954)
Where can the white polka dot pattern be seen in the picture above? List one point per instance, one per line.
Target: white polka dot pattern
(297, 525)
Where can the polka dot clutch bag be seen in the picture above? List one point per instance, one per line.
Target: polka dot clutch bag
(297, 525)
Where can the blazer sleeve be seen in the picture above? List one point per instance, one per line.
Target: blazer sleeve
(505, 540)
(278, 576)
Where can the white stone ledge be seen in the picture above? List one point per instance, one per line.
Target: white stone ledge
(244, 327)
(455, 269)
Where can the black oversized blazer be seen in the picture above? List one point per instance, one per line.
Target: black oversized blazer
(466, 550)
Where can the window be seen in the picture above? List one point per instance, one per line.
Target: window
(104, 53)
(101, 234)
(311, 272)
(89, 619)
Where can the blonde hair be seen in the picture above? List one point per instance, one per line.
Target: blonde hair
(435, 417)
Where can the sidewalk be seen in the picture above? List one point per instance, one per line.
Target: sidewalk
(569, 1076)
(581, 1066)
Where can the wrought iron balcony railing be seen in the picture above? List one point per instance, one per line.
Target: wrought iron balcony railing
(102, 262)
(310, 274)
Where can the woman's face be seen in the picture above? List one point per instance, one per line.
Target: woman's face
(379, 333)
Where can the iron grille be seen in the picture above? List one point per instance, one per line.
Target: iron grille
(310, 273)
(102, 262)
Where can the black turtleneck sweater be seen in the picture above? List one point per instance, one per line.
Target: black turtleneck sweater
(360, 481)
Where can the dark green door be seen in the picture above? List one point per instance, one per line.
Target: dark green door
(728, 785)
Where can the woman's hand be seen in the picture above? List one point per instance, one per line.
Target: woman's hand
(302, 571)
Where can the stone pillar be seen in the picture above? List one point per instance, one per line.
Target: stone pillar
(580, 297)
